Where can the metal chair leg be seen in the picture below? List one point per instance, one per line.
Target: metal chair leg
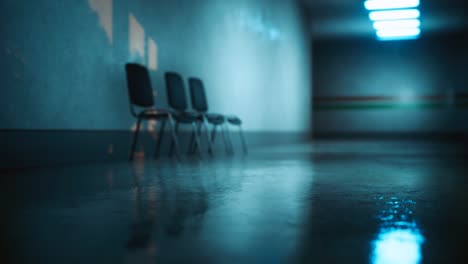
(226, 144)
(228, 139)
(191, 148)
(208, 140)
(213, 133)
(197, 139)
(174, 141)
(159, 139)
(244, 146)
(135, 139)
(176, 133)
(171, 146)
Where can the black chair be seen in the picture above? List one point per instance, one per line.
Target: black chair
(178, 102)
(199, 103)
(141, 96)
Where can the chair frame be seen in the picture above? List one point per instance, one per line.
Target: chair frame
(212, 136)
(150, 113)
(241, 133)
(226, 119)
(196, 120)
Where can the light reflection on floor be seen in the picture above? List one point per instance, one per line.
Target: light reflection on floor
(398, 246)
(327, 202)
(399, 240)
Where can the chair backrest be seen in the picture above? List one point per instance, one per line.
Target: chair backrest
(175, 90)
(197, 95)
(139, 85)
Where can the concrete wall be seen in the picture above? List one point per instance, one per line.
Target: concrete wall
(62, 61)
(367, 86)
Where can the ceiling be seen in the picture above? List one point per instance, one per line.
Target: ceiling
(349, 18)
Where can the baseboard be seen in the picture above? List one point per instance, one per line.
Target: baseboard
(33, 148)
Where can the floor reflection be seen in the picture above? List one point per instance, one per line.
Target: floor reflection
(141, 247)
(329, 206)
(399, 240)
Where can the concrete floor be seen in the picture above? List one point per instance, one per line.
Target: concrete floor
(325, 202)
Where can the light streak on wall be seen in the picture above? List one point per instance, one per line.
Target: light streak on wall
(103, 8)
(152, 54)
(258, 24)
(136, 39)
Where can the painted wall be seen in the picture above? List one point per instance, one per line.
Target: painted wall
(364, 85)
(62, 61)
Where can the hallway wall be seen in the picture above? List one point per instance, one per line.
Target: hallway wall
(397, 87)
(62, 61)
(64, 96)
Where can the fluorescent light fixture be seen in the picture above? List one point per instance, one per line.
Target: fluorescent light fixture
(394, 24)
(398, 33)
(390, 4)
(394, 14)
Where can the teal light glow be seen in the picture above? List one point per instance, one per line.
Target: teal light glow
(394, 14)
(398, 246)
(398, 33)
(407, 97)
(399, 240)
(395, 24)
(393, 4)
(395, 19)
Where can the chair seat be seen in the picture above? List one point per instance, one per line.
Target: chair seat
(153, 114)
(216, 119)
(234, 120)
(186, 117)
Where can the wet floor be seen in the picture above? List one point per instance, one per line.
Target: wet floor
(324, 202)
